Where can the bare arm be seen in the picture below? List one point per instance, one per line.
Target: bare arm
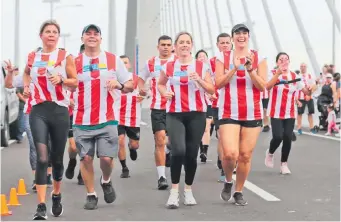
(207, 83)
(9, 80)
(140, 83)
(161, 85)
(21, 97)
(273, 80)
(222, 78)
(27, 78)
(71, 73)
(259, 78)
(333, 86)
(128, 86)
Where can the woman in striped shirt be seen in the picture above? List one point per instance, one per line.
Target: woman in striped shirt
(189, 79)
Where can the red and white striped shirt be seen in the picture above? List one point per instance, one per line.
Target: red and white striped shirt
(152, 69)
(239, 99)
(265, 94)
(212, 64)
(28, 106)
(282, 97)
(308, 80)
(42, 65)
(70, 94)
(187, 95)
(128, 108)
(94, 104)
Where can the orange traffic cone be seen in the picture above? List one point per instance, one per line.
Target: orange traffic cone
(13, 198)
(4, 208)
(22, 188)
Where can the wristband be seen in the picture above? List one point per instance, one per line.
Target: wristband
(122, 86)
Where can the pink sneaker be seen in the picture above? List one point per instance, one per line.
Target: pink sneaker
(285, 169)
(269, 159)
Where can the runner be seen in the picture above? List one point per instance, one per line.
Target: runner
(282, 109)
(158, 105)
(223, 44)
(51, 70)
(306, 100)
(202, 56)
(16, 82)
(129, 116)
(188, 79)
(94, 125)
(240, 76)
(70, 170)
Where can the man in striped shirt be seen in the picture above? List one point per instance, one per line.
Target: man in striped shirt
(158, 106)
(128, 109)
(99, 73)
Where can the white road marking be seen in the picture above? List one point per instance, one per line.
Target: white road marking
(320, 136)
(143, 123)
(259, 191)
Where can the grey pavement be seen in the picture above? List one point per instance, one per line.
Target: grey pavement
(312, 192)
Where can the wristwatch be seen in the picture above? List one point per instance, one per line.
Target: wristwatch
(61, 80)
(250, 70)
(122, 86)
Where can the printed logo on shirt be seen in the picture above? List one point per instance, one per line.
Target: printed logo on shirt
(180, 73)
(51, 63)
(40, 64)
(241, 67)
(157, 67)
(94, 67)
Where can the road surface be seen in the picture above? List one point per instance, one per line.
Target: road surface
(312, 192)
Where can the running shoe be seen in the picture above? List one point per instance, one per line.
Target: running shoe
(173, 199)
(238, 199)
(41, 212)
(57, 208)
(189, 198)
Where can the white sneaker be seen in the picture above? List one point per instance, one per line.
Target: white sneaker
(337, 134)
(328, 134)
(189, 199)
(269, 159)
(173, 199)
(285, 169)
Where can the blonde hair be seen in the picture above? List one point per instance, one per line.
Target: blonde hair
(47, 23)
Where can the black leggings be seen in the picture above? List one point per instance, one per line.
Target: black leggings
(185, 131)
(46, 119)
(282, 130)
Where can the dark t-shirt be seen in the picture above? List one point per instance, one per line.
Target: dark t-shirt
(21, 103)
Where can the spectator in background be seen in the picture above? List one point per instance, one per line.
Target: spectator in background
(321, 79)
(336, 77)
(331, 69)
(21, 122)
(309, 81)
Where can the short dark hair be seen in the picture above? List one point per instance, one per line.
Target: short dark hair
(336, 76)
(281, 53)
(164, 37)
(124, 56)
(198, 52)
(222, 35)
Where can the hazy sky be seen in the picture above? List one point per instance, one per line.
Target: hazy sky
(314, 14)
(71, 19)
